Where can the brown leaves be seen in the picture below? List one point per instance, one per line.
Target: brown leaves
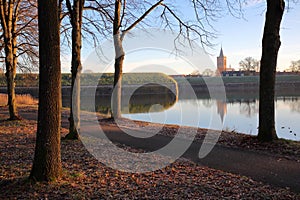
(86, 178)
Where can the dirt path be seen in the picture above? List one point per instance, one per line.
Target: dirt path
(270, 169)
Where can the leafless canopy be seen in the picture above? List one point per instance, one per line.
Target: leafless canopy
(26, 32)
(96, 23)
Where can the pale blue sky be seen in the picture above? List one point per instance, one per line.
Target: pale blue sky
(240, 38)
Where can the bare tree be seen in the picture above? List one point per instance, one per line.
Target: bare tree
(125, 20)
(208, 72)
(81, 24)
(47, 158)
(295, 66)
(195, 73)
(249, 64)
(18, 24)
(75, 13)
(270, 47)
(119, 34)
(9, 25)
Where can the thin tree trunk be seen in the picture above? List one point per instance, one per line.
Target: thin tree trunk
(47, 158)
(117, 95)
(270, 47)
(11, 67)
(9, 17)
(74, 118)
(76, 21)
(119, 60)
(10, 78)
(120, 54)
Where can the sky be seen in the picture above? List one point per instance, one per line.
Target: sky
(239, 38)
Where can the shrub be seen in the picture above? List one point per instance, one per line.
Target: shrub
(24, 99)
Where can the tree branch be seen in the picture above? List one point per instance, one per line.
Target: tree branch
(141, 18)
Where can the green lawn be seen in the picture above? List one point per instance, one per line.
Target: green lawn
(31, 80)
(236, 79)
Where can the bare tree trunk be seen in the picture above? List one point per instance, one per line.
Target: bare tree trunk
(119, 51)
(117, 95)
(76, 22)
(119, 60)
(14, 29)
(74, 118)
(10, 79)
(270, 47)
(47, 158)
(9, 23)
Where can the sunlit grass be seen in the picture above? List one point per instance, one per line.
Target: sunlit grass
(24, 99)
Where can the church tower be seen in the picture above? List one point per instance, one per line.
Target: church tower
(221, 62)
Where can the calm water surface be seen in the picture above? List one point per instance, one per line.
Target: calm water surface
(240, 115)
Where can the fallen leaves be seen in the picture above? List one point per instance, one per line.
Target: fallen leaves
(86, 178)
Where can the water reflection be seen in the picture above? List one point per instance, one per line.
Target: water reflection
(143, 100)
(221, 109)
(138, 103)
(293, 103)
(249, 108)
(237, 114)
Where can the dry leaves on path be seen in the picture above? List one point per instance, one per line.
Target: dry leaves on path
(86, 178)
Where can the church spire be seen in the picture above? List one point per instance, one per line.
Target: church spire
(221, 61)
(221, 52)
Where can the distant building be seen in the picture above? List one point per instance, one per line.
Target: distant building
(230, 68)
(222, 69)
(221, 62)
(233, 73)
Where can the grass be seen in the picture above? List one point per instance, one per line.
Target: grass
(24, 99)
(90, 79)
(237, 79)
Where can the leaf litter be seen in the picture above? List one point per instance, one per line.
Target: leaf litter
(84, 177)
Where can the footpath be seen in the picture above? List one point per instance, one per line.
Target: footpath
(259, 166)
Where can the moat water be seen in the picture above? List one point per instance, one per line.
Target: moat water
(239, 115)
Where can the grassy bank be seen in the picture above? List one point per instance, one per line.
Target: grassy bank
(87, 79)
(24, 99)
(235, 80)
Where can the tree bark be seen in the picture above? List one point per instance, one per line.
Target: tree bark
(47, 158)
(10, 79)
(76, 22)
(270, 47)
(119, 60)
(9, 17)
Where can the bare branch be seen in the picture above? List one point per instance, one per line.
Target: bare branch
(141, 18)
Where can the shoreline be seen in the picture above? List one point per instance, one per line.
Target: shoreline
(288, 149)
(232, 89)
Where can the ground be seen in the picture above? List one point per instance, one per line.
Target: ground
(86, 178)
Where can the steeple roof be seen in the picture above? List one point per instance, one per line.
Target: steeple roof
(221, 52)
